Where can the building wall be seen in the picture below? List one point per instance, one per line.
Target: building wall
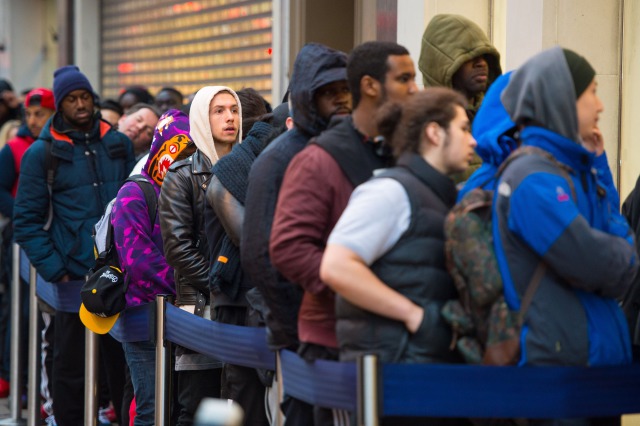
(27, 33)
(591, 28)
(630, 102)
(86, 40)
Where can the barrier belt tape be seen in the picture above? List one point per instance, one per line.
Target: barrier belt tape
(418, 390)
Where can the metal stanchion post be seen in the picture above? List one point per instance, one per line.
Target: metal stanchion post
(33, 413)
(368, 391)
(91, 358)
(15, 402)
(163, 366)
(278, 415)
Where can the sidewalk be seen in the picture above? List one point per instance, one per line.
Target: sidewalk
(5, 412)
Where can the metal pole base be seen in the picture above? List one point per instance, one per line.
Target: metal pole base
(15, 404)
(13, 422)
(90, 378)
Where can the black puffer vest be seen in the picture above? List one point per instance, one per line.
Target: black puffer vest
(415, 267)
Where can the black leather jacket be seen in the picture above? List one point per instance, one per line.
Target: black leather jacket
(181, 207)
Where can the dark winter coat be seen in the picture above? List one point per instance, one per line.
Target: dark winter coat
(315, 66)
(181, 209)
(91, 168)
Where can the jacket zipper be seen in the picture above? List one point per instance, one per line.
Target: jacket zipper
(91, 158)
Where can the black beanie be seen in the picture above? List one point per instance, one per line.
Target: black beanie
(67, 79)
(5, 85)
(582, 73)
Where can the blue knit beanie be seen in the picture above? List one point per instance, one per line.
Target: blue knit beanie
(67, 79)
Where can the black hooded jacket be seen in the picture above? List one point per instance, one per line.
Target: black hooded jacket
(631, 300)
(315, 66)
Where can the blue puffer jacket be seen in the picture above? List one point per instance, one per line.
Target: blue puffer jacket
(91, 168)
(492, 129)
(587, 245)
(584, 242)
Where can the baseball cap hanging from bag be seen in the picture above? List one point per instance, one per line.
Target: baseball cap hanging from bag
(103, 298)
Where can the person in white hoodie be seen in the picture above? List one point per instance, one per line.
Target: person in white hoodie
(215, 126)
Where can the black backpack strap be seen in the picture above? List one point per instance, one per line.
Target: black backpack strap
(51, 164)
(150, 196)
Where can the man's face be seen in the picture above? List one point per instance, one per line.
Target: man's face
(589, 108)
(472, 78)
(138, 126)
(4, 110)
(333, 99)
(77, 108)
(224, 118)
(459, 144)
(36, 117)
(166, 100)
(400, 79)
(127, 101)
(9, 98)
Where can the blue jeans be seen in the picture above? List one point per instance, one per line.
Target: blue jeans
(141, 358)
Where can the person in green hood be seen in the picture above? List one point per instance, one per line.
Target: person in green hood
(457, 54)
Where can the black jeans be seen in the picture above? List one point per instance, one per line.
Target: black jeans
(68, 369)
(114, 364)
(296, 412)
(323, 416)
(242, 384)
(193, 385)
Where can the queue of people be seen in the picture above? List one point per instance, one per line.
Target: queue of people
(322, 219)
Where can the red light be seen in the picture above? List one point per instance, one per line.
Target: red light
(269, 51)
(192, 6)
(125, 67)
(189, 6)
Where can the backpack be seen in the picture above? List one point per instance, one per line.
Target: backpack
(485, 330)
(104, 248)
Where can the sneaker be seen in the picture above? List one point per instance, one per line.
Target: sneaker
(110, 412)
(103, 420)
(105, 415)
(43, 412)
(50, 421)
(4, 388)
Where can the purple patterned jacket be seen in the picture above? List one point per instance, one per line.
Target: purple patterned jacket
(138, 242)
(139, 246)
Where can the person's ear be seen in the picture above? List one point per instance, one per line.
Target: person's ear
(435, 133)
(370, 86)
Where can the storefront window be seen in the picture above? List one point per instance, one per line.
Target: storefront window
(188, 45)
